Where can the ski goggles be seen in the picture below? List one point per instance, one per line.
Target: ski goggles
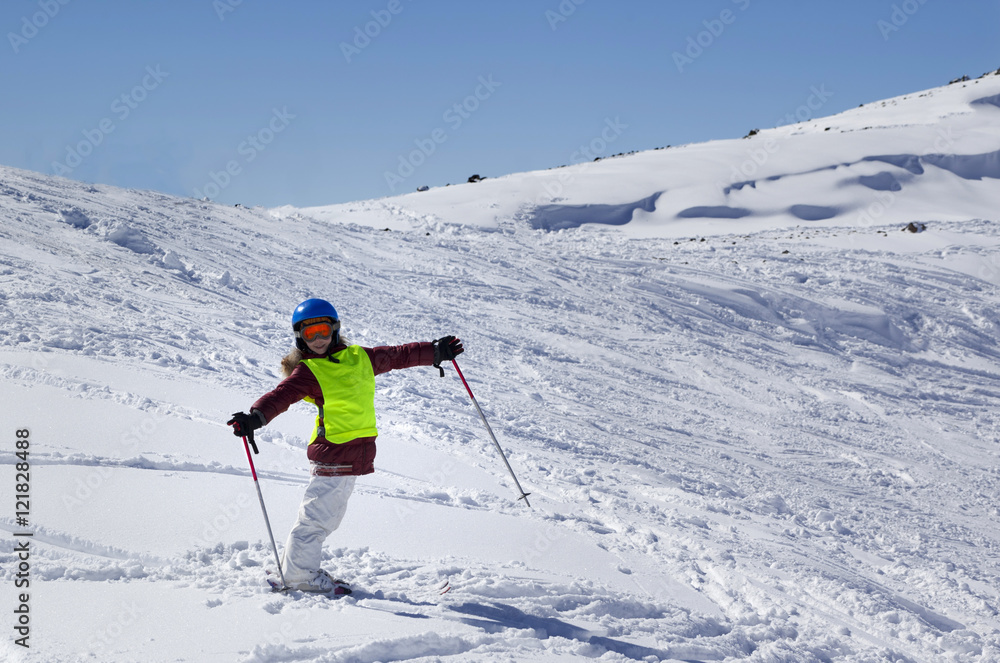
(318, 330)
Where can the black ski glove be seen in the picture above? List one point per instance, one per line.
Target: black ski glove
(245, 424)
(446, 348)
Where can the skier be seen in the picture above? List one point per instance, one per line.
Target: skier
(339, 379)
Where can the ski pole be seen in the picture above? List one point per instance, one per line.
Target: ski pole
(260, 497)
(524, 495)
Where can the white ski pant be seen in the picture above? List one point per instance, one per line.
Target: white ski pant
(323, 507)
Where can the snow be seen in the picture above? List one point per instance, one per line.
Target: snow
(757, 418)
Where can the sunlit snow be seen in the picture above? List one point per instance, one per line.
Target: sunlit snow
(757, 416)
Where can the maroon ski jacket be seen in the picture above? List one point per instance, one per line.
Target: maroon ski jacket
(357, 456)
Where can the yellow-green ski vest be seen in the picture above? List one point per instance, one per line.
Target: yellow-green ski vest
(348, 386)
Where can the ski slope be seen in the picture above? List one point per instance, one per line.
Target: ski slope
(757, 418)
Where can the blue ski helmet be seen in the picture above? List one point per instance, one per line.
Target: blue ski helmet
(311, 309)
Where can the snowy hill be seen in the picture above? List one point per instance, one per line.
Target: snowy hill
(928, 155)
(758, 420)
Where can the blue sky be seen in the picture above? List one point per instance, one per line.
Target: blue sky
(312, 103)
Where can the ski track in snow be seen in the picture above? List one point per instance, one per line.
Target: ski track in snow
(769, 445)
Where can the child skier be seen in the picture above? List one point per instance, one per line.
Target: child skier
(339, 379)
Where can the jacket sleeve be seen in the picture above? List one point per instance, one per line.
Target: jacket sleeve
(390, 357)
(300, 384)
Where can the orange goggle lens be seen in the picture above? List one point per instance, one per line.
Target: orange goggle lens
(321, 330)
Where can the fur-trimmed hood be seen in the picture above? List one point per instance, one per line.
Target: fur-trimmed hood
(290, 361)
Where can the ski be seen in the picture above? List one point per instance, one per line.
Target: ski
(340, 587)
(343, 588)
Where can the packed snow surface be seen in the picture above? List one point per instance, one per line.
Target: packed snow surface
(757, 417)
